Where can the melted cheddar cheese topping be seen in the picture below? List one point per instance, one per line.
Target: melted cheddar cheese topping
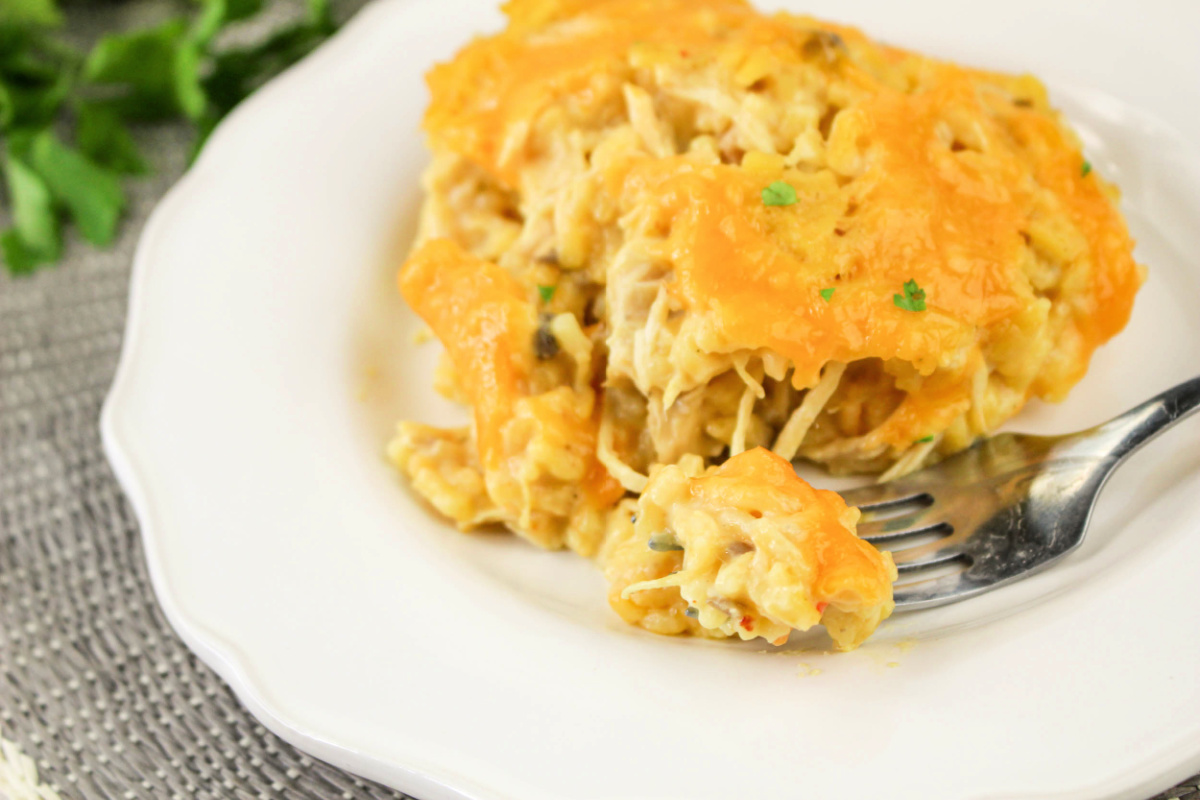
(480, 313)
(662, 234)
(931, 172)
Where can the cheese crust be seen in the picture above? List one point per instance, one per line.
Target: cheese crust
(669, 230)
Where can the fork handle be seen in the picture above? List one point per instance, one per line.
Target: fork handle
(1121, 436)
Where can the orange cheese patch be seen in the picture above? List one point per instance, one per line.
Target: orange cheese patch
(499, 85)
(760, 481)
(928, 180)
(481, 315)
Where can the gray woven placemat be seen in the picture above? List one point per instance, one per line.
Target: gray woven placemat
(94, 686)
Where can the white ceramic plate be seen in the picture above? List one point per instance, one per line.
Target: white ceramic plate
(268, 356)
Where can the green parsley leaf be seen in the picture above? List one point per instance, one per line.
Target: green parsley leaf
(6, 107)
(141, 58)
(34, 91)
(827, 294)
(779, 193)
(90, 193)
(241, 9)
(913, 298)
(102, 137)
(320, 15)
(30, 13)
(1086, 168)
(216, 14)
(238, 72)
(34, 238)
(148, 66)
(19, 257)
(546, 292)
(189, 92)
(924, 440)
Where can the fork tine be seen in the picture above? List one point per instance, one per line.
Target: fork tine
(879, 534)
(873, 521)
(936, 592)
(929, 555)
(880, 495)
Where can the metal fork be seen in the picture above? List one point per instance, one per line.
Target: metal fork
(1009, 506)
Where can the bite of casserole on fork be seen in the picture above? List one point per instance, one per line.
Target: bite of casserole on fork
(746, 549)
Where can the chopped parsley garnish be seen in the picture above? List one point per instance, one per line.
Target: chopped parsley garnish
(779, 193)
(1085, 169)
(664, 543)
(827, 294)
(924, 440)
(546, 293)
(913, 298)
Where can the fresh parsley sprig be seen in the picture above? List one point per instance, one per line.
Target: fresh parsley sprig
(65, 115)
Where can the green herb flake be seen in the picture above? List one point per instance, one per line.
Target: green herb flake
(546, 293)
(1085, 169)
(779, 193)
(692, 612)
(664, 543)
(827, 294)
(924, 440)
(913, 298)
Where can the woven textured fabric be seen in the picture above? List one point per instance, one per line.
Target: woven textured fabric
(95, 687)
